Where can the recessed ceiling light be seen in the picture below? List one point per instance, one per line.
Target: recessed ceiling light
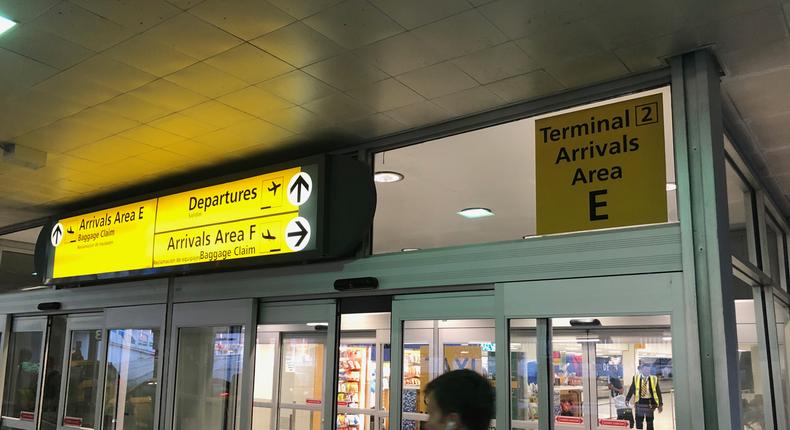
(475, 212)
(387, 176)
(5, 24)
(671, 186)
(409, 249)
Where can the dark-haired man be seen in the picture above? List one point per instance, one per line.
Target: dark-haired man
(459, 400)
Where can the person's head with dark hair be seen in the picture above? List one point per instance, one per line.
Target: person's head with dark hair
(459, 400)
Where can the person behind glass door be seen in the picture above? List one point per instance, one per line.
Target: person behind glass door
(459, 400)
(647, 393)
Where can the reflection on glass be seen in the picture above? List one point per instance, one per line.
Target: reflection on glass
(263, 387)
(783, 335)
(462, 344)
(749, 366)
(568, 369)
(523, 375)
(130, 392)
(208, 371)
(301, 382)
(776, 252)
(19, 400)
(83, 378)
(739, 205)
(356, 386)
(52, 373)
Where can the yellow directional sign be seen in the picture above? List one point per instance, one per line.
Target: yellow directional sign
(264, 215)
(601, 167)
(89, 243)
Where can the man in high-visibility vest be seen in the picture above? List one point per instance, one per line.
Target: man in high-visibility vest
(647, 393)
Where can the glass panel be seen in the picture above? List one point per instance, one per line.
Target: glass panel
(783, 335)
(750, 368)
(263, 387)
(776, 252)
(22, 375)
(301, 382)
(53, 369)
(208, 369)
(362, 339)
(83, 378)
(130, 392)
(523, 375)
(442, 177)
(461, 344)
(738, 203)
(570, 395)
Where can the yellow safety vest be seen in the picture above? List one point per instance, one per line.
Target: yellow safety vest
(652, 381)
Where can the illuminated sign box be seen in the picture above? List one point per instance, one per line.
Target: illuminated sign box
(274, 216)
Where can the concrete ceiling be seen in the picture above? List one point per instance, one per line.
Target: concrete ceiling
(119, 92)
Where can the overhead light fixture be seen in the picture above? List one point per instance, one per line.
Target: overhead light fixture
(409, 249)
(588, 339)
(667, 338)
(23, 156)
(5, 24)
(318, 324)
(37, 287)
(387, 176)
(671, 186)
(472, 213)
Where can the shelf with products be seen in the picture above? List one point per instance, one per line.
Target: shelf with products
(356, 375)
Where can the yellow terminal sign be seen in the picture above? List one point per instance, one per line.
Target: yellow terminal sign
(262, 215)
(601, 167)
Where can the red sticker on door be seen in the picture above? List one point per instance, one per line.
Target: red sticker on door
(613, 423)
(313, 401)
(72, 421)
(27, 416)
(342, 403)
(568, 420)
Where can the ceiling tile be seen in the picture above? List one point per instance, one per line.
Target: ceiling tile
(246, 19)
(110, 149)
(376, 125)
(473, 100)
(414, 13)
(105, 120)
(217, 114)
(61, 136)
(345, 72)
(142, 168)
(145, 53)
(137, 15)
(259, 131)
(24, 11)
(496, 63)
(635, 22)
(756, 98)
(297, 44)
(438, 80)
(420, 113)
(297, 87)
(763, 26)
(399, 54)
(182, 125)
(518, 18)
(192, 149)
(163, 159)
(204, 79)
(133, 107)
(353, 23)
(44, 47)
(385, 95)
(151, 136)
(192, 36)
(185, 4)
(72, 163)
(561, 43)
(303, 8)
(26, 71)
(653, 53)
(460, 34)
(755, 59)
(588, 69)
(71, 87)
(338, 108)
(33, 101)
(525, 87)
(110, 73)
(255, 101)
(250, 64)
(223, 140)
(772, 131)
(82, 27)
(168, 95)
(295, 119)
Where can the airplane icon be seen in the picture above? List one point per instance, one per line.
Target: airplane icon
(274, 187)
(268, 236)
